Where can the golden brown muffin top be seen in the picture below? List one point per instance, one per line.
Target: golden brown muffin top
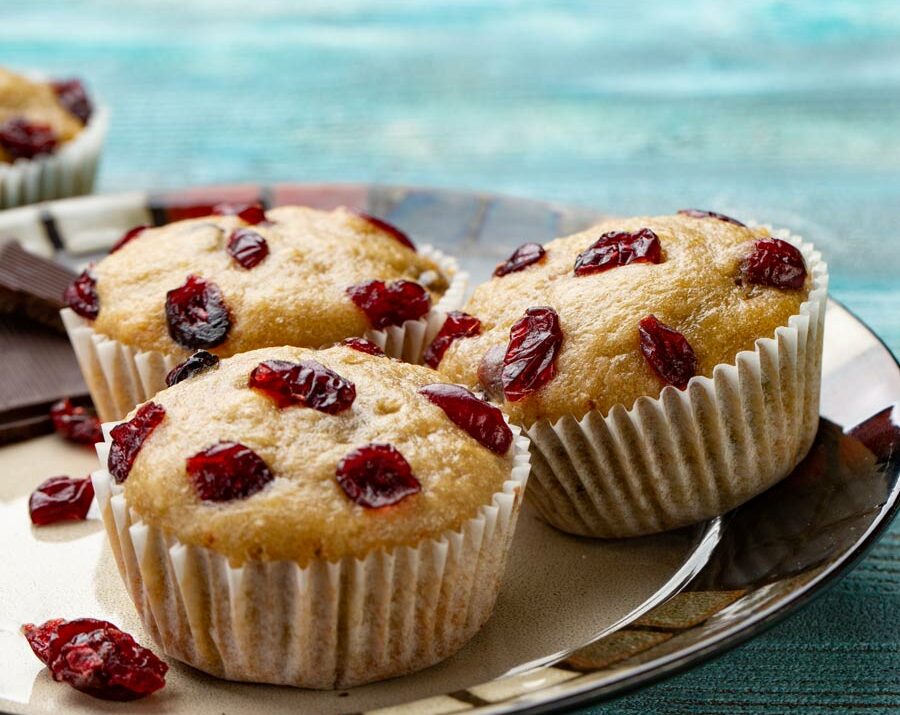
(696, 289)
(297, 295)
(303, 512)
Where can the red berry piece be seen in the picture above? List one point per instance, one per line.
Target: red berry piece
(364, 346)
(129, 437)
(60, 499)
(196, 314)
(81, 296)
(76, 424)
(128, 237)
(248, 213)
(22, 139)
(619, 248)
(376, 475)
(247, 248)
(72, 95)
(697, 213)
(530, 359)
(200, 361)
(668, 352)
(390, 303)
(775, 263)
(457, 325)
(481, 420)
(387, 228)
(490, 372)
(227, 471)
(307, 383)
(522, 257)
(96, 658)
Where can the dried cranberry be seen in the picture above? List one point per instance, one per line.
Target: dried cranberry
(199, 362)
(81, 295)
(530, 359)
(776, 263)
(390, 303)
(619, 248)
(697, 213)
(196, 314)
(521, 258)
(22, 139)
(376, 475)
(490, 372)
(247, 247)
(364, 346)
(227, 471)
(76, 424)
(668, 352)
(128, 438)
(61, 499)
(481, 420)
(248, 213)
(96, 658)
(457, 325)
(129, 236)
(72, 95)
(388, 228)
(307, 383)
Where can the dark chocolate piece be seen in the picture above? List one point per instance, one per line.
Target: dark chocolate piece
(31, 285)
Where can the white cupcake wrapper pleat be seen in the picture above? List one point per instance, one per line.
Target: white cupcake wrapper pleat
(120, 377)
(70, 171)
(691, 454)
(327, 624)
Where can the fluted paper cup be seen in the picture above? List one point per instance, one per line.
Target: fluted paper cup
(690, 454)
(120, 377)
(328, 624)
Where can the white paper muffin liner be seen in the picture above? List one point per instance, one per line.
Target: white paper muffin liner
(70, 171)
(691, 454)
(330, 624)
(120, 377)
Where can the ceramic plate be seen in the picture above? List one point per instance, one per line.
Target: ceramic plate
(577, 620)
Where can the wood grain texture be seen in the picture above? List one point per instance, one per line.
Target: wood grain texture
(783, 112)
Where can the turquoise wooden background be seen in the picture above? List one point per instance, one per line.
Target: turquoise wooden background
(783, 111)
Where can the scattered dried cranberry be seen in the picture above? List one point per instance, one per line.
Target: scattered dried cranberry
(530, 359)
(60, 499)
(481, 420)
(22, 139)
(390, 303)
(128, 438)
(81, 295)
(227, 471)
(76, 424)
(668, 352)
(247, 247)
(522, 257)
(776, 263)
(96, 658)
(376, 475)
(364, 346)
(457, 325)
(388, 228)
(74, 98)
(129, 236)
(200, 361)
(307, 383)
(196, 314)
(697, 213)
(619, 248)
(490, 372)
(248, 213)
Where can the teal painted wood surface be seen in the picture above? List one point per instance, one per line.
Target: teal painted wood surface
(783, 112)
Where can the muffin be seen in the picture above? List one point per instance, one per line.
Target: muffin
(312, 518)
(247, 279)
(50, 139)
(666, 369)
